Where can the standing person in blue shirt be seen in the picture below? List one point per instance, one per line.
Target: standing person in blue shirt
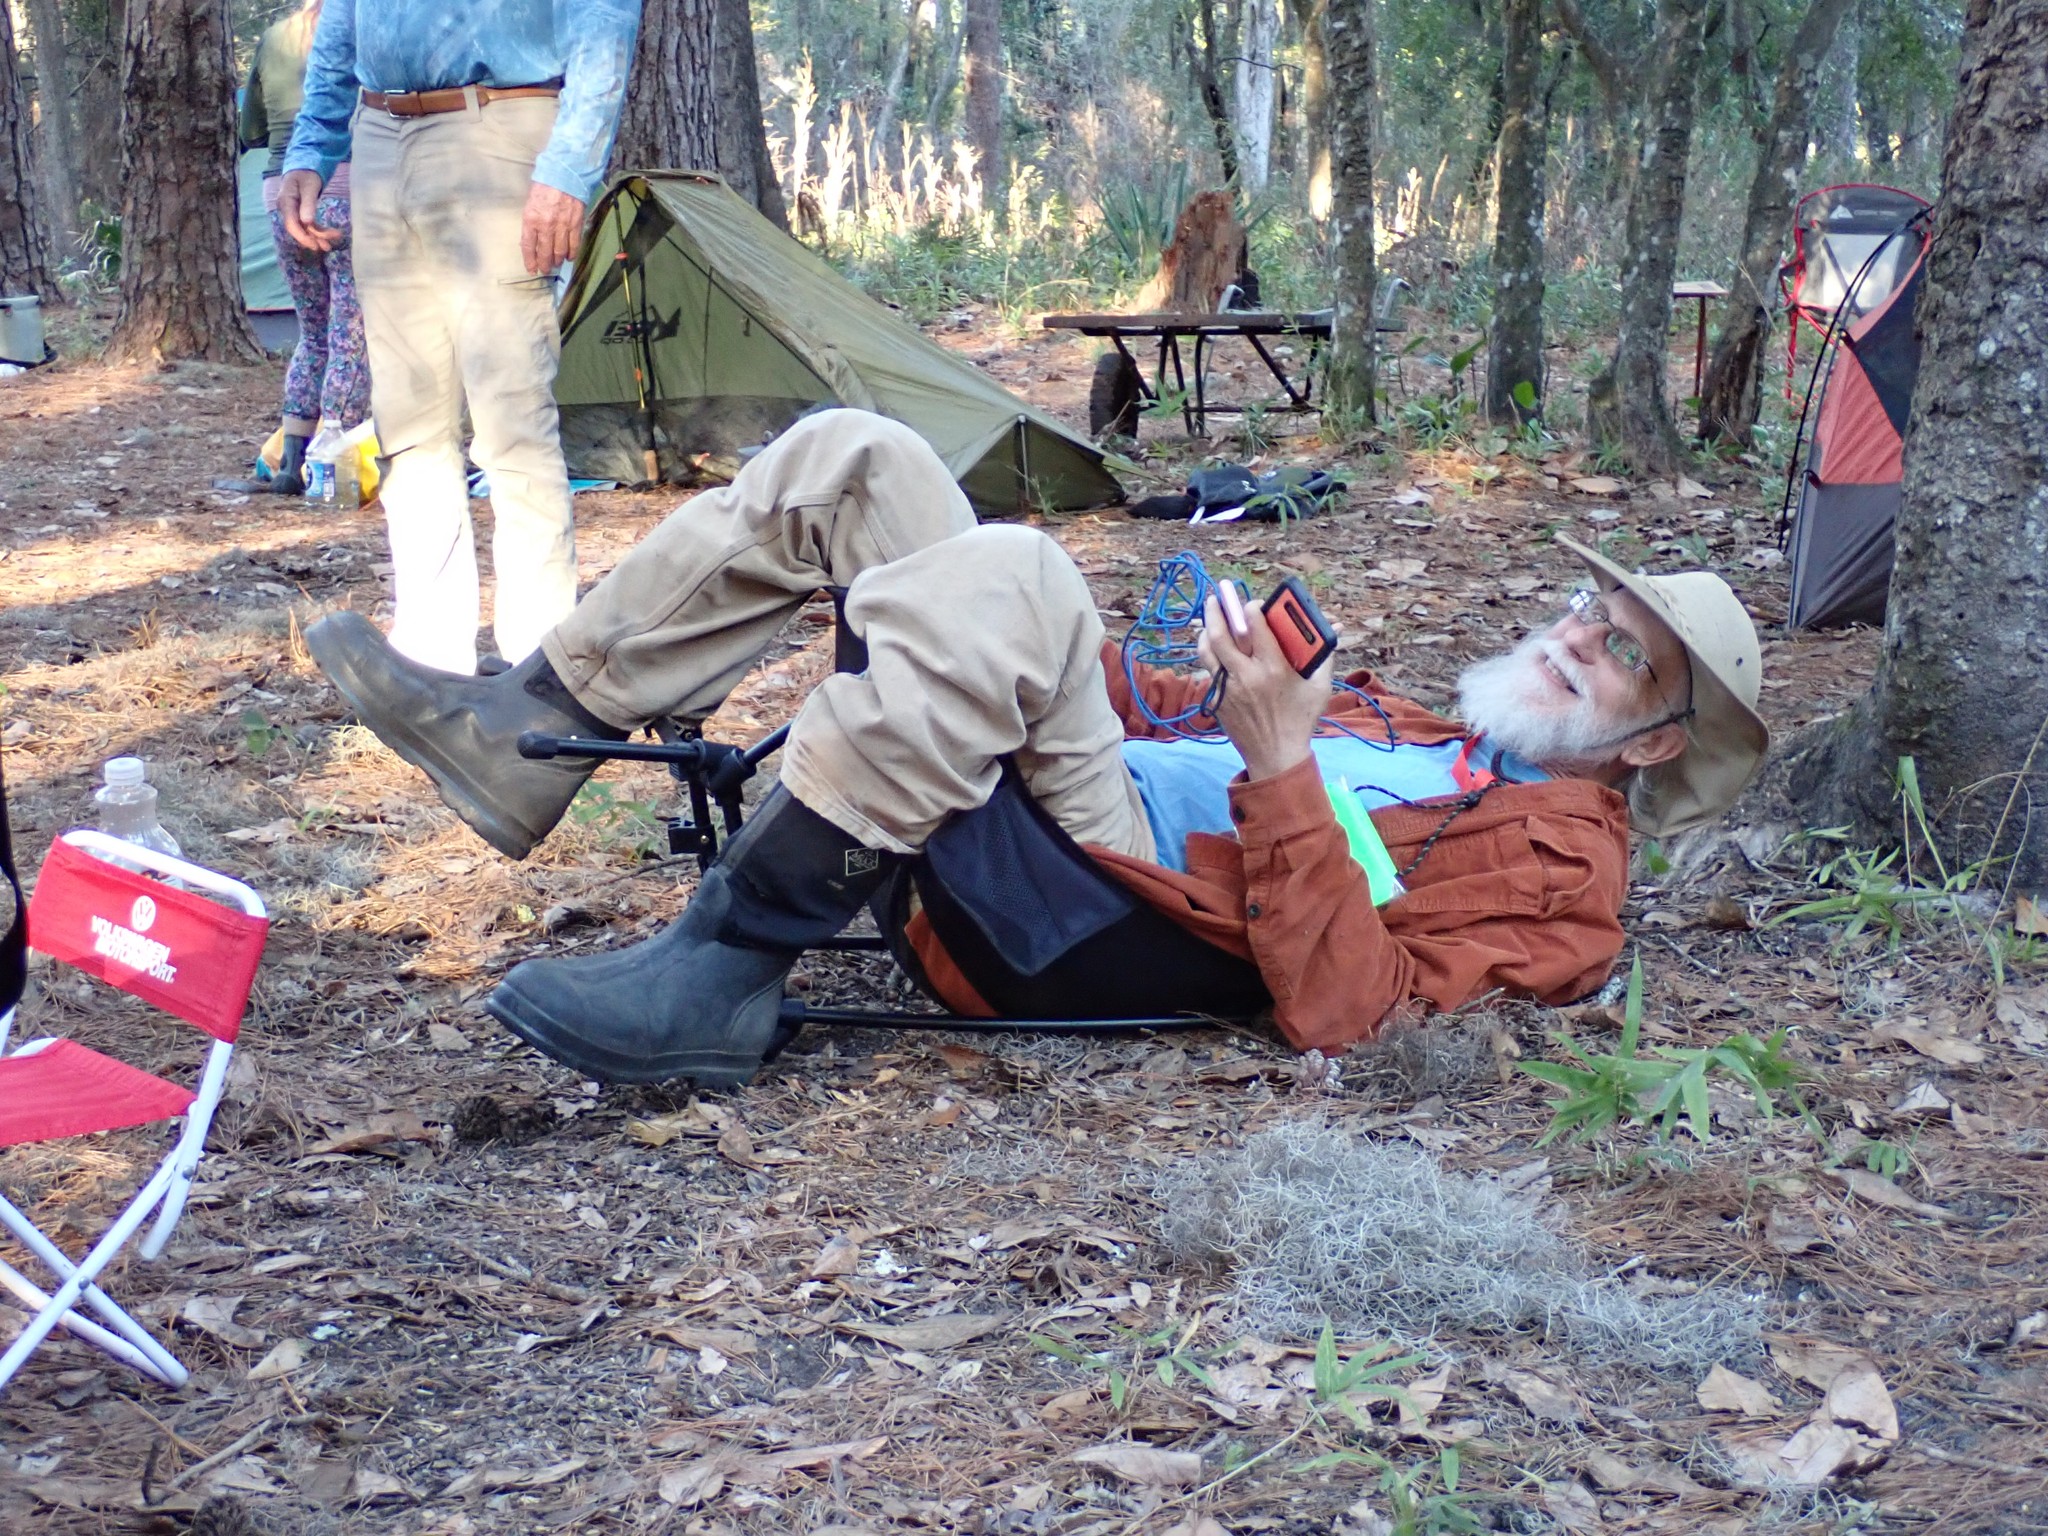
(480, 129)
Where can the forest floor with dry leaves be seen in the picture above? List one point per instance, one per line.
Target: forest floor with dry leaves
(432, 1283)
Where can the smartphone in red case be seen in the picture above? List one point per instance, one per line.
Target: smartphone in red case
(1305, 636)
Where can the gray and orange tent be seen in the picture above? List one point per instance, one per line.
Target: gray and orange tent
(1860, 256)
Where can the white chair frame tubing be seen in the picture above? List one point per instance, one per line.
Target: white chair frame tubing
(165, 1192)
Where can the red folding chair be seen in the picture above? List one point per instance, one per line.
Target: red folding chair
(191, 956)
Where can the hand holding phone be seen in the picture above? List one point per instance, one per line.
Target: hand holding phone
(1306, 638)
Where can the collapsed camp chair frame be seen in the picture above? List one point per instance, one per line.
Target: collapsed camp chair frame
(79, 885)
(713, 775)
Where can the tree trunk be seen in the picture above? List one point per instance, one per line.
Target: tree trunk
(1348, 48)
(181, 260)
(96, 59)
(898, 71)
(1209, 83)
(1315, 97)
(25, 263)
(1254, 105)
(984, 27)
(26, 266)
(1733, 392)
(743, 157)
(1515, 338)
(59, 147)
(1627, 404)
(1963, 685)
(694, 99)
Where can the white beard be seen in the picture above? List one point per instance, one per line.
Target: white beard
(1506, 700)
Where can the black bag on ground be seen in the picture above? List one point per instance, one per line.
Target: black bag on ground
(1043, 932)
(1231, 492)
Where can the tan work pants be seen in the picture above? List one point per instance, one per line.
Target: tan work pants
(982, 641)
(451, 314)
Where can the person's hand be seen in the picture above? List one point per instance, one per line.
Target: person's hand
(553, 229)
(1269, 710)
(298, 199)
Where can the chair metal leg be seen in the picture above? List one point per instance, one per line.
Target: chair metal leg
(35, 1298)
(77, 1283)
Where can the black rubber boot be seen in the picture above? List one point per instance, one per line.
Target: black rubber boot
(463, 731)
(702, 999)
(290, 479)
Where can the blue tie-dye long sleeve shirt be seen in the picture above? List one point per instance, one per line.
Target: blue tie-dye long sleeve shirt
(425, 45)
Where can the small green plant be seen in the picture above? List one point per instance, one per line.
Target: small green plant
(1422, 1499)
(1884, 892)
(258, 734)
(1667, 1088)
(1340, 1382)
(1171, 403)
(1255, 431)
(1160, 1354)
(1887, 1158)
(618, 819)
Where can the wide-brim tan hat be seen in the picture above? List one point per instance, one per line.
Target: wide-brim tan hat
(1727, 738)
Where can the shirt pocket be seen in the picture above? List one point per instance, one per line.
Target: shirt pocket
(1491, 873)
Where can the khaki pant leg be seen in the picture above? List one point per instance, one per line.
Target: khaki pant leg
(982, 645)
(683, 616)
(467, 179)
(416, 400)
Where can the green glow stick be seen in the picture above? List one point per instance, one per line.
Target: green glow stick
(1368, 849)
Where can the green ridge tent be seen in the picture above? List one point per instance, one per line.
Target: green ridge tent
(264, 293)
(692, 325)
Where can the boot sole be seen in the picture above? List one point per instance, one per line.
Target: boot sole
(514, 842)
(708, 1069)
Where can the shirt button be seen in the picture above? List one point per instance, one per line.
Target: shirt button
(1253, 910)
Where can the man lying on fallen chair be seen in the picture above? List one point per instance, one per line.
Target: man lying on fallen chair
(1216, 877)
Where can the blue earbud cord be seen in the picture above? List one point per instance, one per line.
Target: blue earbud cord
(1164, 635)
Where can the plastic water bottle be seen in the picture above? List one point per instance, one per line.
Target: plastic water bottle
(127, 804)
(321, 454)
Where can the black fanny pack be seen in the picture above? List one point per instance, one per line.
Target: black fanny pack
(1042, 931)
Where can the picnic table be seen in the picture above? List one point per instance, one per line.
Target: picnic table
(1170, 329)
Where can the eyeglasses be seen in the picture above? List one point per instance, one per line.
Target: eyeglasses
(1621, 645)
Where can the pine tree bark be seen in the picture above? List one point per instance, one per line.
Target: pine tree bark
(984, 28)
(58, 148)
(1515, 336)
(1733, 392)
(181, 260)
(1348, 49)
(694, 100)
(1963, 684)
(1627, 404)
(26, 266)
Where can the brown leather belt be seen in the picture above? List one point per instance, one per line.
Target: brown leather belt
(454, 99)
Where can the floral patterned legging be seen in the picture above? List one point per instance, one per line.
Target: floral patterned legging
(329, 376)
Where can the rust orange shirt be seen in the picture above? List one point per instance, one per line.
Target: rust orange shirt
(1521, 893)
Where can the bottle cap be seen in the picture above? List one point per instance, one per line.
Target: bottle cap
(126, 770)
